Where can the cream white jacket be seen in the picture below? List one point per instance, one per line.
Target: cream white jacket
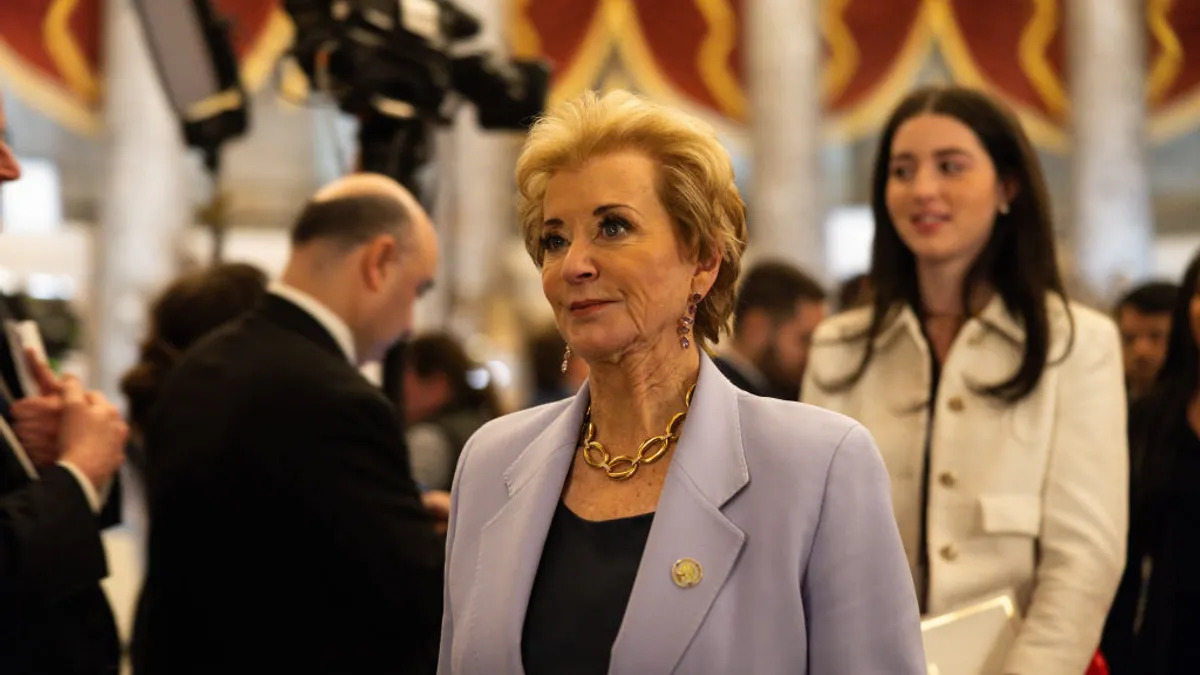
(1029, 497)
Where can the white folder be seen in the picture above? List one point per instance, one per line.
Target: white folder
(973, 640)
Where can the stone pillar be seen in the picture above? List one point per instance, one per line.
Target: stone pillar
(145, 205)
(480, 216)
(1112, 229)
(783, 65)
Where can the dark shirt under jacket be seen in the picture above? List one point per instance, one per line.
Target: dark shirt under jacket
(583, 584)
(1154, 622)
(287, 534)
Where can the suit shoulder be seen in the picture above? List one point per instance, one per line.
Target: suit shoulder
(788, 433)
(267, 368)
(499, 442)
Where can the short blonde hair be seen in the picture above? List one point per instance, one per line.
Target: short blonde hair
(696, 183)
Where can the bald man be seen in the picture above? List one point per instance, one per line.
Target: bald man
(287, 534)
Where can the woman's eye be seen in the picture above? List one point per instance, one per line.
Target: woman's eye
(553, 242)
(613, 227)
(951, 168)
(901, 172)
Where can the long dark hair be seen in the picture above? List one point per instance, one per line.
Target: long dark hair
(1018, 260)
(1157, 417)
(190, 308)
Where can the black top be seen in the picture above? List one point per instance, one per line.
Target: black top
(579, 595)
(267, 442)
(1155, 616)
(1183, 516)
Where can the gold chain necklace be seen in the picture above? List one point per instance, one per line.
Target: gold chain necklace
(650, 451)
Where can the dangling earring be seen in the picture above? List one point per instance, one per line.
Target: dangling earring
(688, 320)
(1004, 208)
(566, 360)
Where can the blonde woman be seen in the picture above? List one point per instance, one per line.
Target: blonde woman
(662, 520)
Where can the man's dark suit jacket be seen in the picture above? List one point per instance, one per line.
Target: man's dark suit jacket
(286, 532)
(54, 618)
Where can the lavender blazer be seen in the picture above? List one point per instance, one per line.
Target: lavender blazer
(785, 506)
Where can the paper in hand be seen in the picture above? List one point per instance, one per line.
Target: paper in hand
(24, 335)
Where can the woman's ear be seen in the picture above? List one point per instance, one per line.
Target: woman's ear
(1009, 187)
(707, 268)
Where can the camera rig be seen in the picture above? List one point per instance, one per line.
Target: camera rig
(391, 64)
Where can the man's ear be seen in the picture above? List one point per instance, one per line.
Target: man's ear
(376, 258)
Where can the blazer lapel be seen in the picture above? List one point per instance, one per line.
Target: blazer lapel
(512, 541)
(707, 470)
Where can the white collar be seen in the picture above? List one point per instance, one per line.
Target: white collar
(326, 317)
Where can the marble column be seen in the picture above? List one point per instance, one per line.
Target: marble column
(479, 215)
(145, 205)
(783, 65)
(1111, 232)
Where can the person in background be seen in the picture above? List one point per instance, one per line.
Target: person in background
(557, 373)
(1144, 319)
(776, 311)
(286, 533)
(447, 397)
(1155, 617)
(662, 520)
(54, 617)
(997, 403)
(190, 308)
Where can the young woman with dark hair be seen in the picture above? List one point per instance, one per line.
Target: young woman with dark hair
(997, 403)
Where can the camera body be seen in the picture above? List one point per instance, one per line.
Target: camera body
(390, 63)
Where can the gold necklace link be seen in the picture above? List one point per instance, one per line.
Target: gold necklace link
(650, 451)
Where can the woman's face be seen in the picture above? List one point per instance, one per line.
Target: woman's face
(614, 270)
(943, 192)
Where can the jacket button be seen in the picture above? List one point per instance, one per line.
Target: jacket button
(956, 404)
(949, 552)
(948, 479)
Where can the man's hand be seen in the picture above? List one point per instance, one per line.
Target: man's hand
(437, 502)
(36, 421)
(92, 436)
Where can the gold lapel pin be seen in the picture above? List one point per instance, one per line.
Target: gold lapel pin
(686, 572)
